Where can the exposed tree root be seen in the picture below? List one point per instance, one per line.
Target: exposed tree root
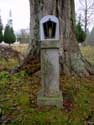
(89, 67)
(32, 65)
(82, 68)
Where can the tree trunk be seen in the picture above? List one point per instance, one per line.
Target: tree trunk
(71, 58)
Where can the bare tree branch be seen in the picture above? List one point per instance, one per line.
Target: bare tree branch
(87, 10)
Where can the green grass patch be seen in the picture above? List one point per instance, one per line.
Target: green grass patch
(15, 96)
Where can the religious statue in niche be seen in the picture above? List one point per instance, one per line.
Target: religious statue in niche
(49, 28)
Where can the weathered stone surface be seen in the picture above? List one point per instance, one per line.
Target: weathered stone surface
(52, 19)
(50, 101)
(49, 35)
(50, 93)
(53, 44)
(50, 71)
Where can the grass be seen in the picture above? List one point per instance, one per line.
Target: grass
(20, 48)
(17, 90)
(17, 106)
(88, 53)
(7, 65)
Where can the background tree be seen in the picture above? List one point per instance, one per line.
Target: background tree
(13, 36)
(23, 36)
(1, 30)
(9, 36)
(1, 34)
(80, 33)
(87, 12)
(71, 59)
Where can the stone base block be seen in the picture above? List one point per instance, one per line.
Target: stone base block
(50, 101)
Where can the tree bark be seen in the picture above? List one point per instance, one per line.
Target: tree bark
(71, 59)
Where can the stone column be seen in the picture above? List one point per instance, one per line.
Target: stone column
(50, 93)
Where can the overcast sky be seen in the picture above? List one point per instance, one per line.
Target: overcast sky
(20, 12)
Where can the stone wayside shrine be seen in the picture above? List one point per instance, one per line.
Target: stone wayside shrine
(49, 34)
